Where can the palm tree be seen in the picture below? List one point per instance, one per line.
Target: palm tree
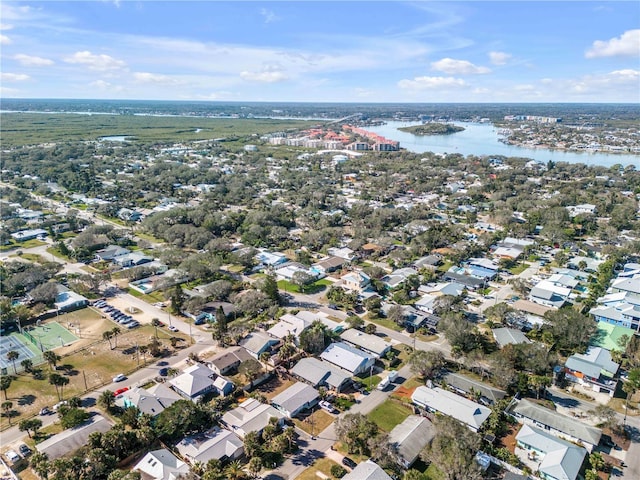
(5, 383)
(40, 464)
(106, 400)
(12, 356)
(27, 364)
(156, 323)
(234, 471)
(264, 358)
(7, 406)
(107, 336)
(115, 331)
(143, 349)
(51, 358)
(59, 382)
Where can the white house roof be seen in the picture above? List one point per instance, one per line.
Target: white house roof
(194, 380)
(506, 336)
(367, 471)
(345, 356)
(152, 401)
(562, 460)
(294, 397)
(216, 443)
(288, 324)
(161, 465)
(250, 416)
(557, 421)
(470, 413)
(257, 342)
(366, 341)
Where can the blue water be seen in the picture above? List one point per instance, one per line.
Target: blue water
(482, 139)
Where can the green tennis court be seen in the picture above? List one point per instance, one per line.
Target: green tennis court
(49, 336)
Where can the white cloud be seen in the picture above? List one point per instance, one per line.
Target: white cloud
(499, 58)
(626, 45)
(481, 91)
(105, 86)
(458, 67)
(146, 77)
(425, 83)
(5, 26)
(364, 92)
(4, 40)
(101, 63)
(14, 77)
(268, 74)
(32, 61)
(268, 15)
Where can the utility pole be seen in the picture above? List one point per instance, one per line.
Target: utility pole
(85, 380)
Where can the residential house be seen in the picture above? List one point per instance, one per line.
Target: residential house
(482, 268)
(554, 422)
(367, 470)
(410, 437)
(621, 308)
(356, 281)
(289, 325)
(257, 343)
(327, 265)
(594, 369)
(534, 312)
(198, 380)
(250, 416)
(311, 317)
(397, 277)
(430, 261)
(463, 385)
(611, 337)
(427, 303)
(287, 271)
(321, 374)
(556, 459)
(349, 358)
(295, 399)
(509, 336)
(438, 400)
(228, 361)
(548, 294)
(132, 259)
(344, 252)
(72, 439)
(68, 300)
(270, 259)
(161, 465)
(629, 285)
(466, 281)
(585, 208)
(109, 253)
(511, 248)
(151, 401)
(443, 288)
(367, 342)
(25, 235)
(217, 443)
(129, 215)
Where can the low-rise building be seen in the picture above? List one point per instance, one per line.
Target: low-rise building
(161, 465)
(321, 374)
(349, 358)
(216, 444)
(295, 399)
(257, 343)
(410, 437)
(367, 470)
(250, 416)
(468, 386)
(556, 459)
(151, 401)
(72, 439)
(554, 422)
(228, 361)
(436, 399)
(509, 336)
(594, 369)
(367, 342)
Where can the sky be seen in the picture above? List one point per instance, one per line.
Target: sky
(329, 51)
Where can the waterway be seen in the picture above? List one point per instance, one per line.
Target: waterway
(482, 139)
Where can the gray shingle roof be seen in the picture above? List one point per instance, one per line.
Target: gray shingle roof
(411, 436)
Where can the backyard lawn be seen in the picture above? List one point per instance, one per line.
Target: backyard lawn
(315, 423)
(322, 466)
(389, 414)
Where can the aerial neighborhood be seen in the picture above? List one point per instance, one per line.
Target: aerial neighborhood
(312, 300)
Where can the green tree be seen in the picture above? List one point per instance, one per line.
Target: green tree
(39, 463)
(115, 331)
(72, 417)
(51, 358)
(5, 383)
(426, 363)
(255, 466)
(106, 400)
(453, 450)
(12, 356)
(7, 407)
(571, 330)
(354, 430)
(155, 322)
(27, 364)
(108, 335)
(59, 382)
(30, 425)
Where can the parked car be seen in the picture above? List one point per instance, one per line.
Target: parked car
(327, 406)
(172, 328)
(45, 411)
(346, 461)
(58, 405)
(24, 450)
(132, 324)
(12, 456)
(119, 378)
(163, 372)
(120, 391)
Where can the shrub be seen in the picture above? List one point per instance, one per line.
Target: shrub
(338, 471)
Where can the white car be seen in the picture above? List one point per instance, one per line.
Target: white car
(12, 456)
(172, 328)
(120, 377)
(327, 406)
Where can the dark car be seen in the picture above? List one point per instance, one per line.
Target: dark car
(24, 450)
(346, 461)
(163, 372)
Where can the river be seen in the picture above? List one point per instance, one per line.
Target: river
(482, 139)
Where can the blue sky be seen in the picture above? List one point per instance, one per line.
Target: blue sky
(331, 51)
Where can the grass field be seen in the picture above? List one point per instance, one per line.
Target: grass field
(32, 128)
(86, 369)
(389, 414)
(315, 423)
(323, 465)
(26, 244)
